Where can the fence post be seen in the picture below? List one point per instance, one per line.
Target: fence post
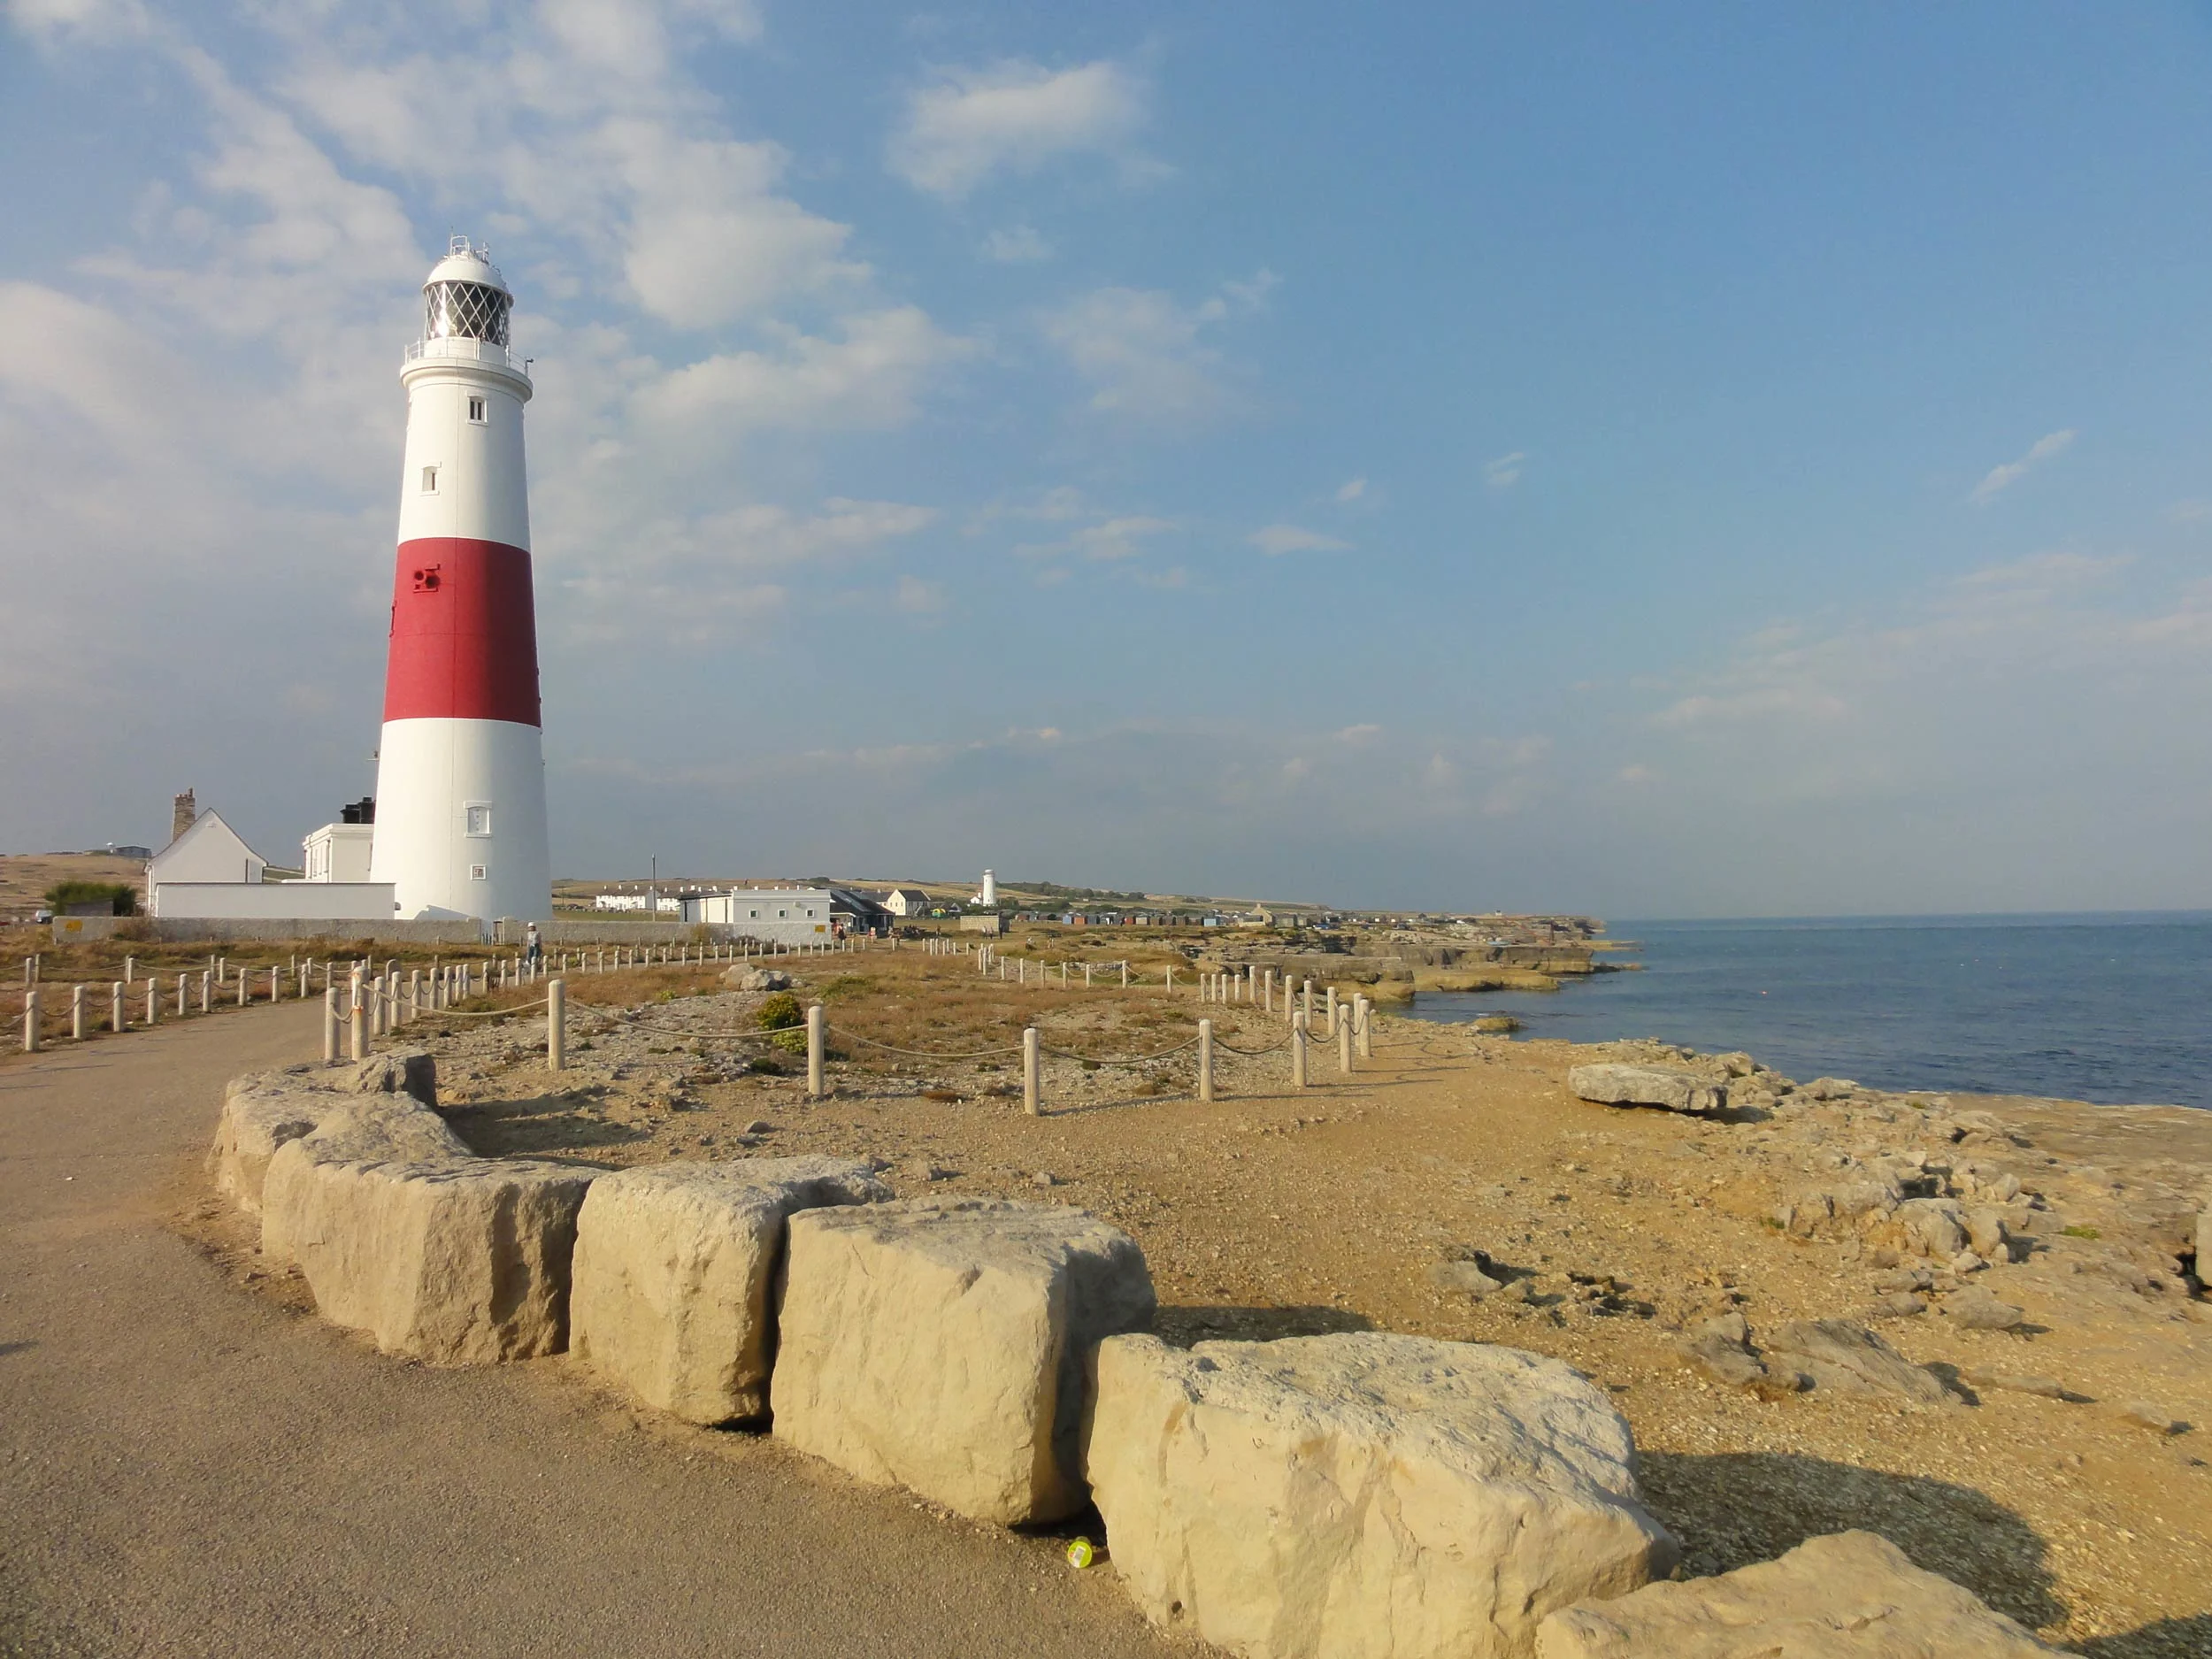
(1086, 976)
(276, 985)
(130, 969)
(1298, 1051)
(1125, 973)
(34, 1006)
(1031, 1102)
(555, 1024)
(153, 1000)
(76, 1014)
(116, 1020)
(1170, 982)
(207, 990)
(330, 1027)
(1308, 1009)
(358, 1044)
(241, 987)
(1363, 1014)
(1344, 1043)
(1205, 1061)
(814, 1050)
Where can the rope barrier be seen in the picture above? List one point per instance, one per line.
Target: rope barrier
(925, 1054)
(476, 1013)
(1127, 1059)
(1252, 1054)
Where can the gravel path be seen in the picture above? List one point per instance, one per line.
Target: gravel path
(190, 1470)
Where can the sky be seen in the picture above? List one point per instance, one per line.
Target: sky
(1711, 460)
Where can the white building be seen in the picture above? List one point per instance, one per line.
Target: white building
(990, 895)
(209, 873)
(784, 915)
(209, 850)
(908, 901)
(337, 852)
(460, 796)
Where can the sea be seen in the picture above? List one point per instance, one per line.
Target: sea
(2111, 1008)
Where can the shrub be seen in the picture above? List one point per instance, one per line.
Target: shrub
(780, 1012)
(790, 1038)
(2081, 1232)
(121, 897)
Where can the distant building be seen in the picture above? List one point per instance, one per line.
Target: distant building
(988, 896)
(127, 849)
(907, 901)
(785, 916)
(858, 912)
(337, 852)
(982, 922)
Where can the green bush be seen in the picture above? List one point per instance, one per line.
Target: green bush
(120, 896)
(790, 1038)
(780, 1012)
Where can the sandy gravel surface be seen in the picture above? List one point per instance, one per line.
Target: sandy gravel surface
(194, 1471)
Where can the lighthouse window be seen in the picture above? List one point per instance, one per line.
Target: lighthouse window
(480, 820)
(429, 481)
(476, 411)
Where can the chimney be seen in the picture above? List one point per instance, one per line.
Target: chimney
(183, 815)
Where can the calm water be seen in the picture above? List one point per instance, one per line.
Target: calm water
(2114, 1008)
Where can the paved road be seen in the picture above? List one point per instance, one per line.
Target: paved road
(191, 1469)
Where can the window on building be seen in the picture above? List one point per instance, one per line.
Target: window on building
(476, 872)
(479, 818)
(476, 411)
(429, 481)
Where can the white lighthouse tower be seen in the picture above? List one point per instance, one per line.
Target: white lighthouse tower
(460, 796)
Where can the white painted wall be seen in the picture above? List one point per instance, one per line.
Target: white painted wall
(338, 852)
(306, 900)
(788, 915)
(482, 483)
(211, 851)
(429, 773)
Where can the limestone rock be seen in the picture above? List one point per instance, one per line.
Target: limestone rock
(362, 1128)
(1467, 1279)
(1976, 1309)
(673, 1265)
(261, 1113)
(1363, 1495)
(1721, 1349)
(1848, 1595)
(456, 1262)
(1932, 1226)
(749, 978)
(1615, 1084)
(412, 1071)
(941, 1345)
(1844, 1358)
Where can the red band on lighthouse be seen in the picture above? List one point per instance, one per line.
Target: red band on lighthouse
(465, 639)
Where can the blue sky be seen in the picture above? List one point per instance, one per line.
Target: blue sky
(1718, 460)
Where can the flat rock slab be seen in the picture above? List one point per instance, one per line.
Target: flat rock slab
(372, 1128)
(672, 1270)
(942, 1345)
(1363, 1496)
(1843, 1358)
(1617, 1084)
(456, 1263)
(1849, 1596)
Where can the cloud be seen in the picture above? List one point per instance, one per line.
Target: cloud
(1012, 117)
(1505, 471)
(1021, 245)
(1278, 539)
(2000, 478)
(1145, 353)
(1111, 539)
(919, 598)
(870, 379)
(1351, 489)
(1359, 735)
(2189, 513)
(1637, 773)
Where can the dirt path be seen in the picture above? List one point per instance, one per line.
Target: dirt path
(190, 1470)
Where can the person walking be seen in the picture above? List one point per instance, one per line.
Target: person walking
(534, 947)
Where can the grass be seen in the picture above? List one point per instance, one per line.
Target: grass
(2081, 1232)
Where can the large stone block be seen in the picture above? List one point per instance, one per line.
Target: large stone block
(1362, 1496)
(370, 1128)
(1678, 1091)
(1849, 1596)
(457, 1262)
(941, 1345)
(673, 1267)
(260, 1113)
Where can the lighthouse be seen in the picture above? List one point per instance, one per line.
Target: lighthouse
(460, 781)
